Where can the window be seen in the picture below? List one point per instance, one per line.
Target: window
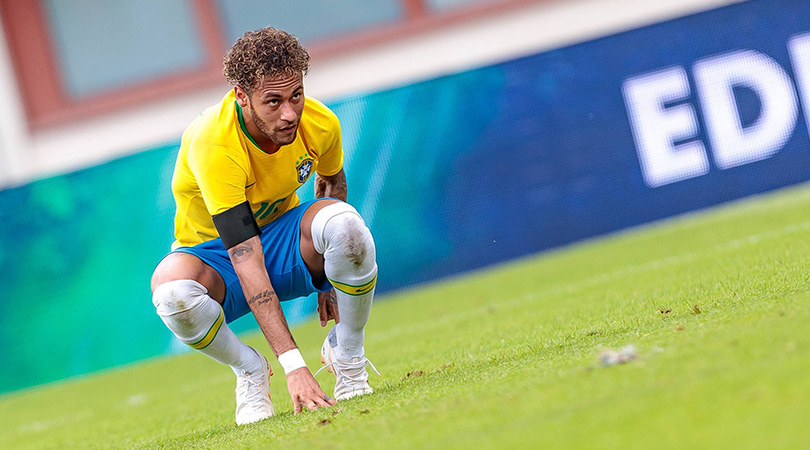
(444, 5)
(308, 20)
(121, 43)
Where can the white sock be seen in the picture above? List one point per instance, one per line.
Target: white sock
(198, 321)
(354, 312)
(340, 234)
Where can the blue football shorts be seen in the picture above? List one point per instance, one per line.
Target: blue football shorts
(282, 256)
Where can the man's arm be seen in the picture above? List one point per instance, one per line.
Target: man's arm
(334, 186)
(248, 263)
(247, 257)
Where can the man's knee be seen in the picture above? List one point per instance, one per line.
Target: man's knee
(184, 266)
(177, 296)
(353, 239)
(341, 235)
(339, 227)
(169, 269)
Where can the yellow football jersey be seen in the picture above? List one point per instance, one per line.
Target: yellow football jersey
(220, 166)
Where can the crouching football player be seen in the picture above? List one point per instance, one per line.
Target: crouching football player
(244, 242)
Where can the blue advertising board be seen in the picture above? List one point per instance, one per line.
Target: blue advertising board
(515, 158)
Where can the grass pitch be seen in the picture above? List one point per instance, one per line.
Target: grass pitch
(716, 304)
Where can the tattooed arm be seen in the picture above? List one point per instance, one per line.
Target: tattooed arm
(248, 263)
(334, 186)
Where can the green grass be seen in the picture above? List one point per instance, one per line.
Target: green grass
(508, 357)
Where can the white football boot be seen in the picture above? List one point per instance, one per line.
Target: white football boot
(253, 396)
(351, 378)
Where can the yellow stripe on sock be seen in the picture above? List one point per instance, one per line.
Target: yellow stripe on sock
(355, 290)
(211, 334)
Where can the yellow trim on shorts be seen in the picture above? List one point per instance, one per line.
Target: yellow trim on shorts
(355, 290)
(211, 334)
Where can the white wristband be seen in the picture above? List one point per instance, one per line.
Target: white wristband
(291, 360)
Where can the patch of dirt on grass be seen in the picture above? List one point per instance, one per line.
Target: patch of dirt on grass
(413, 374)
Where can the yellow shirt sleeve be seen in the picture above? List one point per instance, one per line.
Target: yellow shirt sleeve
(221, 179)
(331, 159)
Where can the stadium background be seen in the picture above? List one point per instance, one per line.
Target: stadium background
(475, 132)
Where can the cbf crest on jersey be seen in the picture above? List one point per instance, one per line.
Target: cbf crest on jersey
(304, 168)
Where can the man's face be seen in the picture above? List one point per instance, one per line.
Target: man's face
(275, 108)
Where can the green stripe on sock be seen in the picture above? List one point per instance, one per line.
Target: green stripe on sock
(211, 334)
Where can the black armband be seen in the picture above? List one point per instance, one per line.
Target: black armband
(236, 225)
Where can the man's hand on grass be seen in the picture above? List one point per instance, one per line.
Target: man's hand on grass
(305, 391)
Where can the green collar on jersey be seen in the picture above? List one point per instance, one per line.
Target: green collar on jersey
(243, 127)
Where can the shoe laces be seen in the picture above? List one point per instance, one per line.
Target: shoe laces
(354, 372)
(249, 389)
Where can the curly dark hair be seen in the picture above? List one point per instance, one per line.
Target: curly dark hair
(267, 52)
